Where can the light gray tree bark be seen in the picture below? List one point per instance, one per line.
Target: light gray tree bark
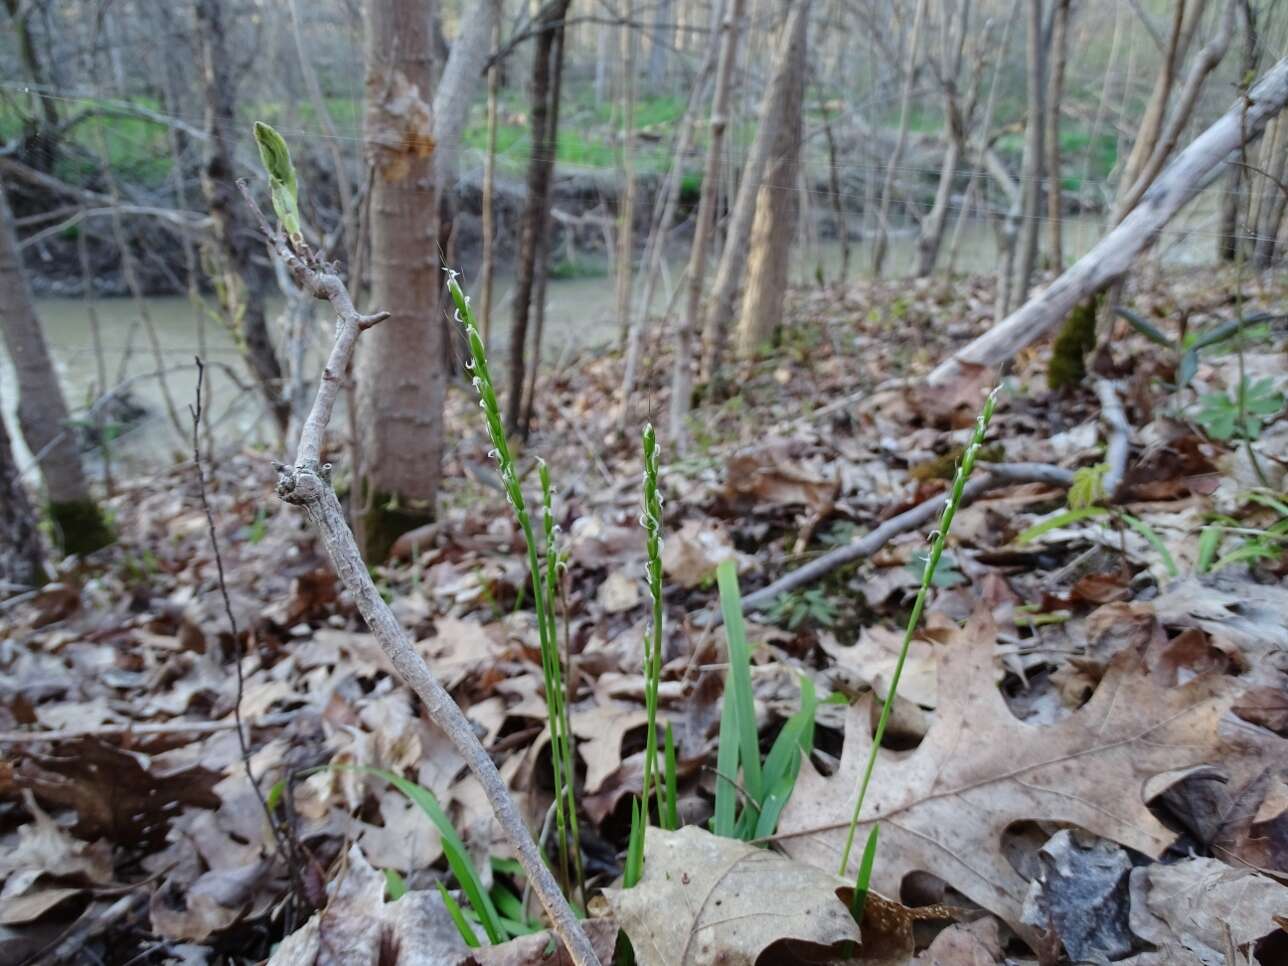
(704, 222)
(776, 202)
(400, 368)
(733, 257)
(1031, 174)
(908, 67)
(21, 554)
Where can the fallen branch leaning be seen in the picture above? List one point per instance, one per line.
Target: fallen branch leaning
(307, 484)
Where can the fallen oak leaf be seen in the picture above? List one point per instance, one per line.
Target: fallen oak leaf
(943, 808)
(706, 900)
(1201, 904)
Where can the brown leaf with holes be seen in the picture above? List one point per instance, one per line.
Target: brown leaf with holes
(943, 808)
(706, 900)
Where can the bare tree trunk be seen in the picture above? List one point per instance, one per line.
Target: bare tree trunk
(659, 45)
(1236, 183)
(400, 369)
(1185, 177)
(983, 153)
(776, 206)
(541, 165)
(488, 271)
(1271, 211)
(892, 166)
(1031, 167)
(930, 238)
(40, 148)
(626, 202)
(242, 289)
(543, 264)
(348, 213)
(42, 412)
(665, 203)
(733, 257)
(1055, 95)
(22, 562)
(682, 376)
(1206, 62)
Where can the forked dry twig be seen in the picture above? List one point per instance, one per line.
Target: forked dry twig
(307, 484)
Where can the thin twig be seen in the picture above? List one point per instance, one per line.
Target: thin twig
(307, 484)
(1115, 419)
(243, 741)
(999, 474)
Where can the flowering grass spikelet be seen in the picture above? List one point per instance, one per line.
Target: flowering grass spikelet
(939, 539)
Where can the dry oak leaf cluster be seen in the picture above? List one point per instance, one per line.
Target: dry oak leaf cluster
(943, 808)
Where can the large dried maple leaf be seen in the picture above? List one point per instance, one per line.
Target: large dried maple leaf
(943, 807)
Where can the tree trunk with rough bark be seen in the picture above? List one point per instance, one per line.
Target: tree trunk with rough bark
(243, 290)
(909, 68)
(1031, 166)
(776, 206)
(733, 257)
(78, 524)
(400, 369)
(541, 167)
(682, 376)
(1055, 94)
(487, 273)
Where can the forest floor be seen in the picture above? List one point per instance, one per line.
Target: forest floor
(1088, 756)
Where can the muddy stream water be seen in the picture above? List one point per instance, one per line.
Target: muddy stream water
(580, 313)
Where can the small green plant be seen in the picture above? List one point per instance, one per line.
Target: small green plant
(544, 583)
(937, 541)
(792, 609)
(1193, 342)
(750, 809)
(657, 781)
(946, 574)
(1254, 405)
(498, 911)
(1085, 502)
(1256, 545)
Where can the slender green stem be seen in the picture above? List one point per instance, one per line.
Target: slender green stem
(651, 520)
(543, 584)
(937, 541)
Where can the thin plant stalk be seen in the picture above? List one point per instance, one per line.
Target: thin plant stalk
(937, 541)
(561, 745)
(651, 520)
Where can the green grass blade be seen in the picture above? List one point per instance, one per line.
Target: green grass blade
(726, 808)
(671, 817)
(395, 885)
(1063, 518)
(634, 847)
(1155, 541)
(739, 677)
(458, 858)
(462, 924)
(863, 881)
(1145, 328)
(779, 792)
(1209, 544)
